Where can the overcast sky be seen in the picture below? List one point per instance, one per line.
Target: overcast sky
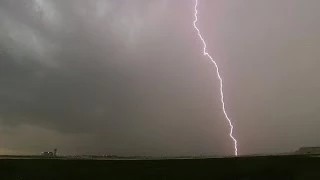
(128, 77)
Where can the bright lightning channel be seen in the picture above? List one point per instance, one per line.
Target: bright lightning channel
(205, 53)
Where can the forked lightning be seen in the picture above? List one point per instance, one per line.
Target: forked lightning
(205, 53)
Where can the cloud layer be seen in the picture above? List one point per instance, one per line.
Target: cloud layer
(127, 77)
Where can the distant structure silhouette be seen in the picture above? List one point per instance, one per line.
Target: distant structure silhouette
(309, 150)
(47, 154)
(50, 154)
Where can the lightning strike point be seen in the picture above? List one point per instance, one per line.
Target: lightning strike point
(205, 53)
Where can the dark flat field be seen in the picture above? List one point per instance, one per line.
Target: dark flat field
(268, 167)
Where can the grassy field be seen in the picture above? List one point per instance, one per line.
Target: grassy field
(273, 167)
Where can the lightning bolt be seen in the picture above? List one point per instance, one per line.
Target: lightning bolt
(205, 53)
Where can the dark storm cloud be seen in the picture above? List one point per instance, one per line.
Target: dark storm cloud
(67, 92)
(110, 72)
(83, 81)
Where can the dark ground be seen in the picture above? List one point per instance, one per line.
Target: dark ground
(272, 167)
